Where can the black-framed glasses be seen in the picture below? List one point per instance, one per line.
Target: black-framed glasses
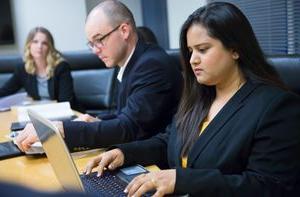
(98, 42)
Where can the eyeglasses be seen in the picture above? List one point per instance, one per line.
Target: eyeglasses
(98, 42)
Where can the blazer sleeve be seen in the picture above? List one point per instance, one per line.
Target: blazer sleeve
(147, 152)
(149, 108)
(273, 166)
(64, 90)
(155, 92)
(13, 84)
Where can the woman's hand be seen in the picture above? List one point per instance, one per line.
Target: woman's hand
(110, 159)
(162, 181)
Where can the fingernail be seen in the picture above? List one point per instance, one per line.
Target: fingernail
(110, 166)
(125, 190)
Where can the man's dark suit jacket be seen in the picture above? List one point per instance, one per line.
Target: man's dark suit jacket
(148, 97)
(251, 148)
(60, 86)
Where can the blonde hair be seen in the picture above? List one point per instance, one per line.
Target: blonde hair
(53, 57)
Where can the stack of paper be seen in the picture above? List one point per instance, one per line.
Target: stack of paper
(49, 111)
(12, 100)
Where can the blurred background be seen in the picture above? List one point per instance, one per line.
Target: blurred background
(275, 22)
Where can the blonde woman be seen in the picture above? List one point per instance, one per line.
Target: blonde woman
(44, 75)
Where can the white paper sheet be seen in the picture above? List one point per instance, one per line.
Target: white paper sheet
(49, 111)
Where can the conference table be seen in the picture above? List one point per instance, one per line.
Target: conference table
(35, 171)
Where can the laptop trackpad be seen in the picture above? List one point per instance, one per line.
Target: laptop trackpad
(128, 173)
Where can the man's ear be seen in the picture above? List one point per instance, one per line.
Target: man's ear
(125, 30)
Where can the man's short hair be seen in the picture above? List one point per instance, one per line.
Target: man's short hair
(117, 12)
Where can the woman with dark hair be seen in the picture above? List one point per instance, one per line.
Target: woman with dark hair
(45, 75)
(237, 129)
(146, 35)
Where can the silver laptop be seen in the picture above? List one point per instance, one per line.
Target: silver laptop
(112, 183)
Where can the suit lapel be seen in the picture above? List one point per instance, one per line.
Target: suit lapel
(215, 126)
(139, 50)
(176, 143)
(123, 86)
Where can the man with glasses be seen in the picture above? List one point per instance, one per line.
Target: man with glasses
(149, 89)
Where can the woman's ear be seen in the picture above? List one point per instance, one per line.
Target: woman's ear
(235, 55)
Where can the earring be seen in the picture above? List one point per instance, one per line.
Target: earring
(235, 56)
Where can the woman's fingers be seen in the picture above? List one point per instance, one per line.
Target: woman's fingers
(162, 181)
(91, 164)
(110, 159)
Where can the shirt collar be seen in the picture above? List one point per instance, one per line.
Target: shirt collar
(122, 69)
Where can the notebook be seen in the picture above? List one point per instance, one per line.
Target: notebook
(112, 183)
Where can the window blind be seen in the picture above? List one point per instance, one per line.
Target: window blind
(276, 24)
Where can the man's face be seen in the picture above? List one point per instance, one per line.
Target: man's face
(104, 39)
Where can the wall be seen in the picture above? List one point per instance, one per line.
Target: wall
(133, 5)
(178, 11)
(65, 20)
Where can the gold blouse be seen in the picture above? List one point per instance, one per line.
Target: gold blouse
(203, 127)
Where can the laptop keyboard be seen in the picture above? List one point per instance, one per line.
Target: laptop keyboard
(106, 185)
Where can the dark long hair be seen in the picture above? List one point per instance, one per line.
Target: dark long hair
(146, 35)
(224, 22)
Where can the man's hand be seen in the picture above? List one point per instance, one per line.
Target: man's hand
(28, 136)
(87, 118)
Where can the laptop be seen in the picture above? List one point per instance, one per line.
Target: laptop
(111, 183)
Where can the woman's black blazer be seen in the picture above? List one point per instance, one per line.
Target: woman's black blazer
(251, 148)
(60, 86)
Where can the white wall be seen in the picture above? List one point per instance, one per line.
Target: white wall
(178, 11)
(64, 18)
(136, 8)
(134, 5)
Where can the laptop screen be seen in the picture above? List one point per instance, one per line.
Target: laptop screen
(57, 152)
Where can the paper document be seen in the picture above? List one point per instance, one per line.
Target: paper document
(12, 100)
(49, 111)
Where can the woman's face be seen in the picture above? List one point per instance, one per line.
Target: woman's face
(39, 46)
(212, 64)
